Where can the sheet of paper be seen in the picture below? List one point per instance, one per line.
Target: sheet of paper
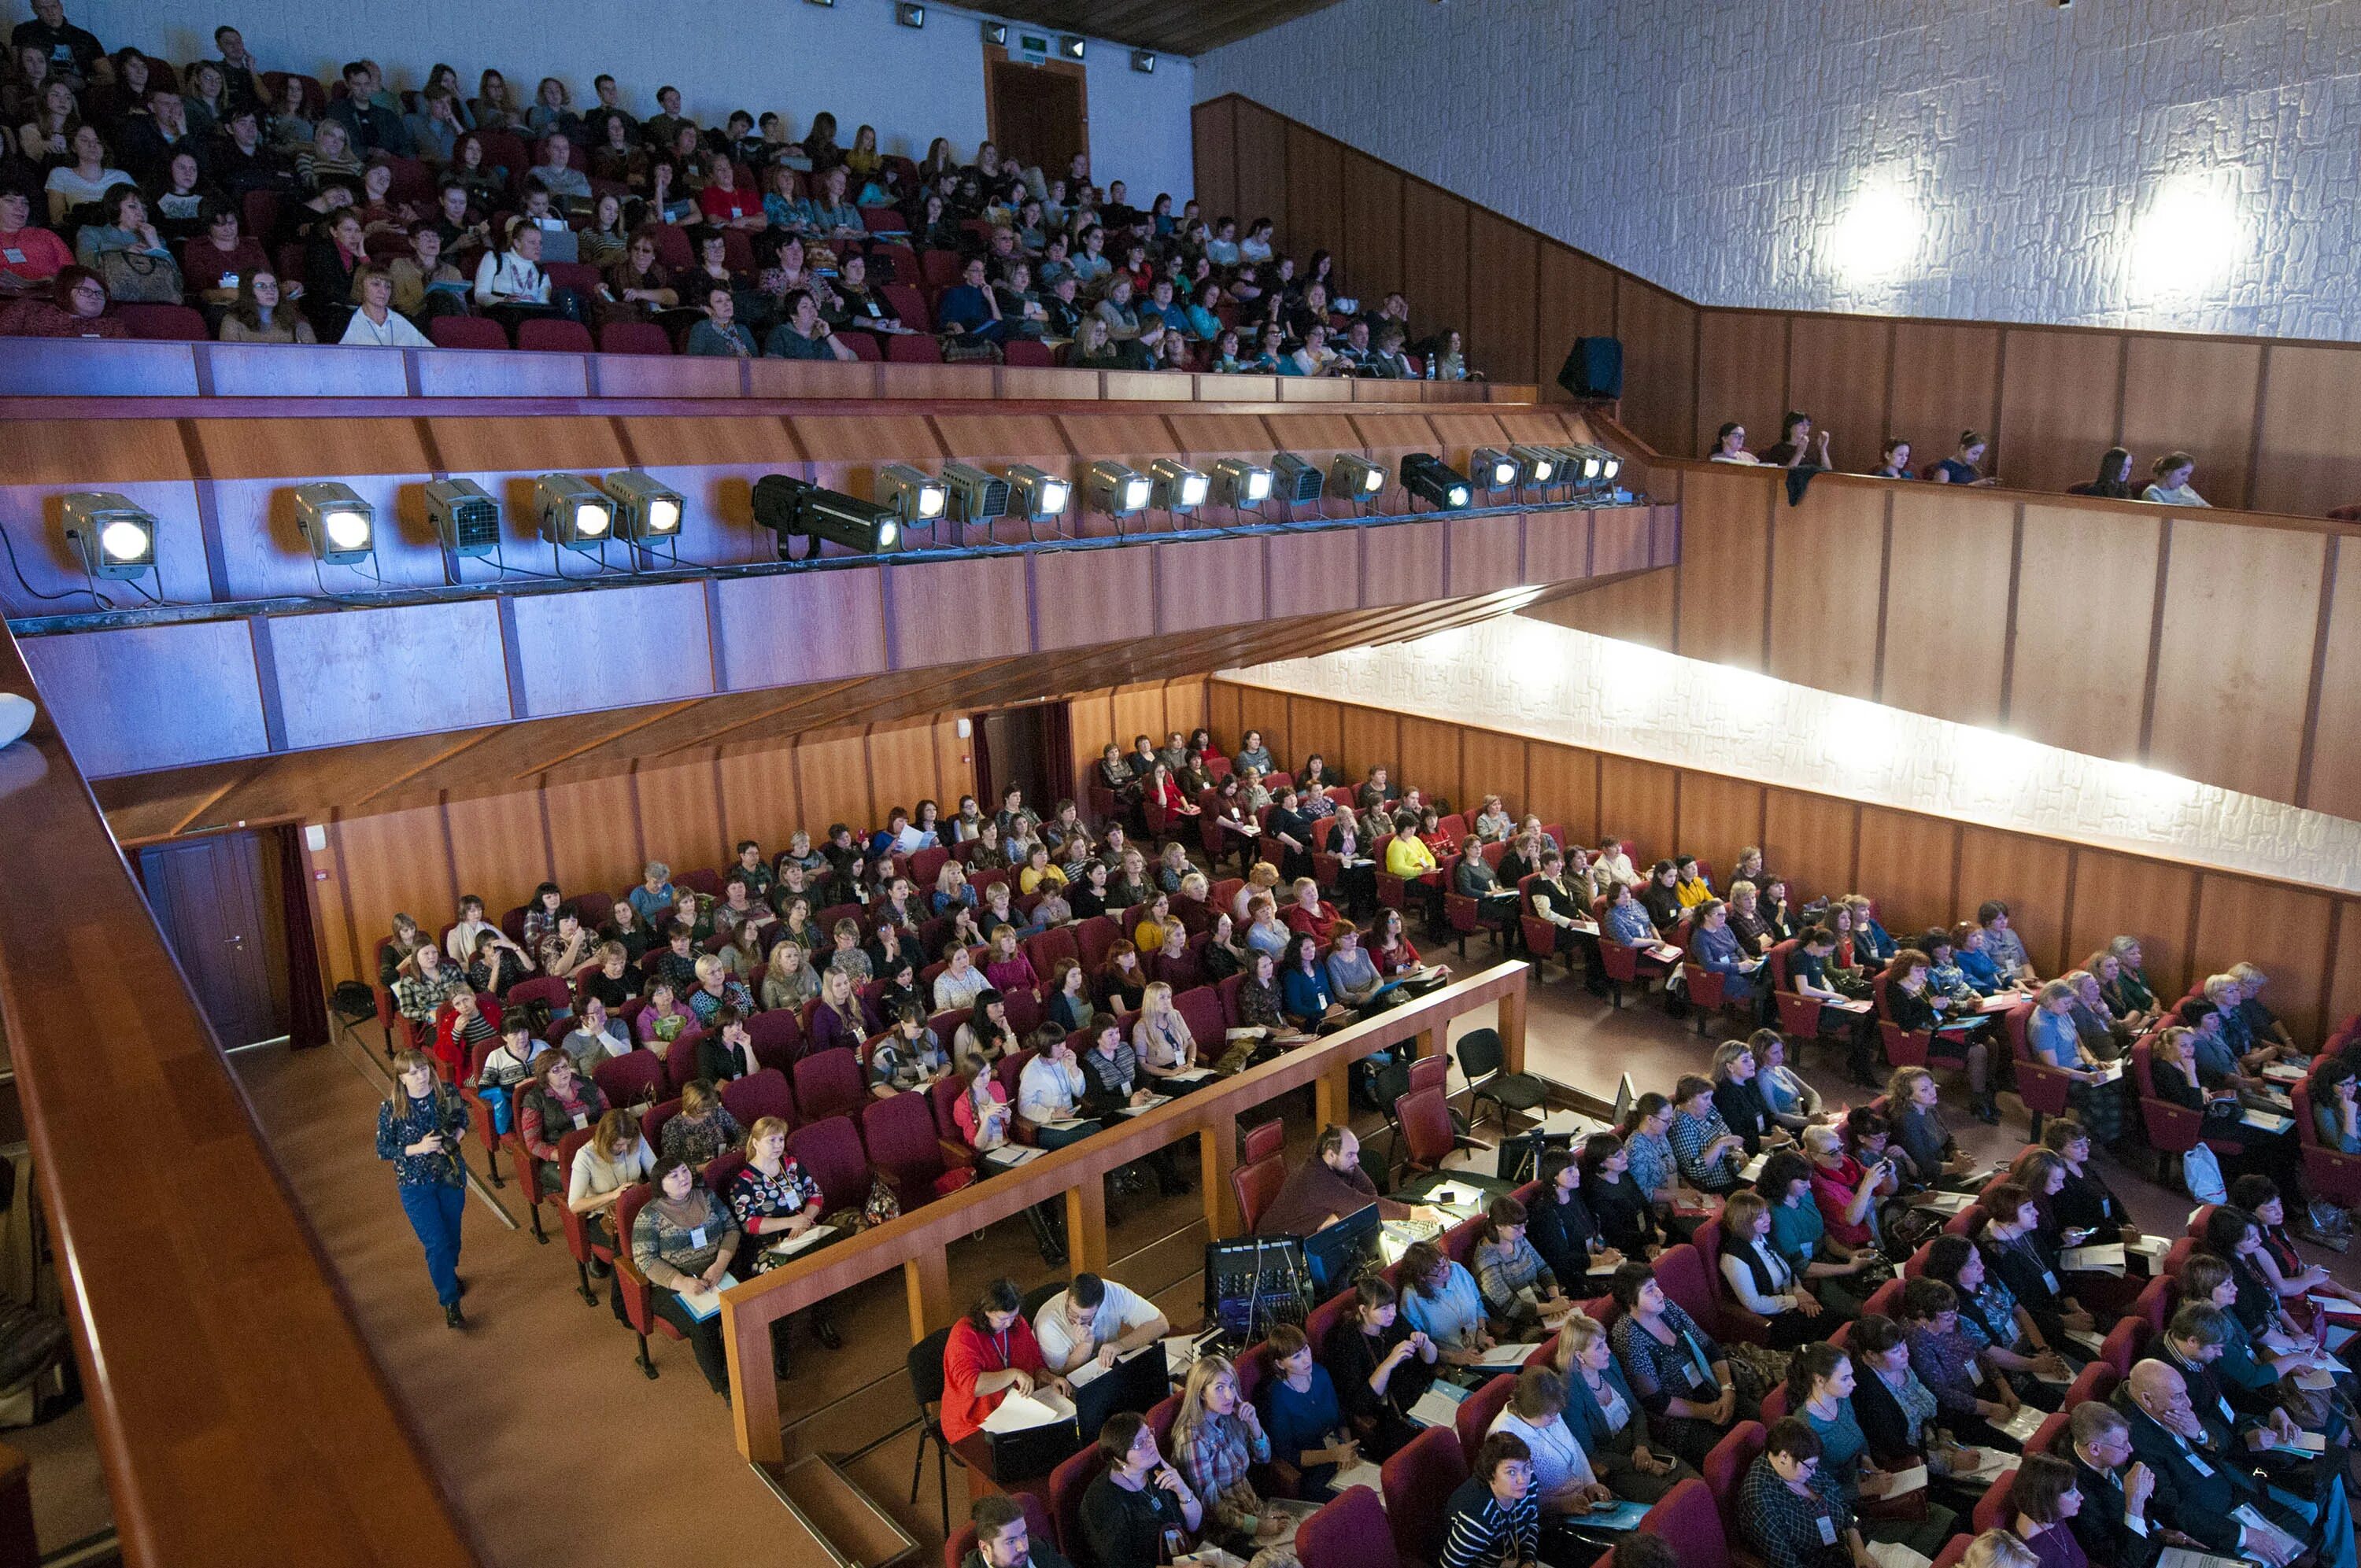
(2148, 1246)
(1848, 1005)
(2337, 1305)
(2109, 1256)
(2283, 1072)
(2267, 1121)
(1189, 1075)
(1439, 1405)
(2111, 1072)
(812, 1236)
(2092, 1342)
(1182, 1351)
(1507, 1358)
(1908, 1481)
(1945, 1202)
(1989, 1462)
(1451, 1194)
(1753, 1167)
(2339, 1336)
(1149, 1104)
(1562, 1123)
(1017, 1153)
(1360, 1472)
(2000, 1003)
(2182, 1557)
(703, 1304)
(2305, 1442)
(2022, 1422)
(1021, 1412)
(1893, 1554)
(2316, 1381)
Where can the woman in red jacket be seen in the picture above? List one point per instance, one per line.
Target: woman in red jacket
(991, 1351)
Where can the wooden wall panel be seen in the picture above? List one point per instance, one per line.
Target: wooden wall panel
(2030, 875)
(2231, 685)
(1184, 704)
(1317, 725)
(1905, 864)
(1090, 720)
(1430, 760)
(2085, 602)
(1660, 340)
(2195, 395)
(1262, 168)
(1213, 134)
(1565, 784)
(1635, 806)
(1492, 763)
(833, 770)
(1947, 606)
(1808, 839)
(902, 769)
(759, 798)
(2119, 894)
(2283, 931)
(1503, 269)
(2312, 427)
(1373, 739)
(1223, 717)
(1725, 529)
(594, 834)
(1824, 588)
(1577, 299)
(1636, 610)
(1945, 379)
(1837, 373)
(1742, 375)
(2336, 782)
(2345, 978)
(1138, 710)
(498, 848)
(398, 861)
(1434, 258)
(680, 815)
(1315, 195)
(1719, 816)
(2061, 393)
(1373, 225)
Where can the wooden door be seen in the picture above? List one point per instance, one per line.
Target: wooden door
(1014, 745)
(215, 898)
(1037, 113)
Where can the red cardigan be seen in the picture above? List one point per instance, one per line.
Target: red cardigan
(969, 1354)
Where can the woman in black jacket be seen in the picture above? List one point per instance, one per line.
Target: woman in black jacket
(1561, 1227)
(1739, 1099)
(2025, 1263)
(1898, 1413)
(1625, 1215)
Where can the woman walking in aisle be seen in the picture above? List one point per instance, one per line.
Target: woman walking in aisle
(419, 1128)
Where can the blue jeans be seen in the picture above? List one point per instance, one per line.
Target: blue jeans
(434, 1215)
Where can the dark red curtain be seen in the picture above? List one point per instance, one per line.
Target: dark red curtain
(1058, 752)
(307, 1006)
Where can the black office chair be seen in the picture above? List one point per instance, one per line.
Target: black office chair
(1481, 1060)
(925, 1365)
(1038, 1297)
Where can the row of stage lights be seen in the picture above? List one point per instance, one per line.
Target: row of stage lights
(116, 539)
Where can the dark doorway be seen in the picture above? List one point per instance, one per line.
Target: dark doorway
(1012, 747)
(1038, 114)
(218, 899)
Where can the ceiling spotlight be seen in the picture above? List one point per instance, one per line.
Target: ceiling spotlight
(975, 495)
(339, 525)
(464, 516)
(996, 33)
(909, 14)
(1176, 486)
(1238, 483)
(1070, 46)
(1353, 477)
(1434, 481)
(1036, 494)
(791, 508)
(1144, 61)
(1491, 469)
(1540, 466)
(915, 498)
(646, 510)
(115, 537)
(1293, 480)
(573, 511)
(1117, 490)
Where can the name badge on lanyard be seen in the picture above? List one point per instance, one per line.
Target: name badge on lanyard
(2195, 1463)
(2049, 1282)
(1700, 1369)
(696, 1236)
(1827, 1529)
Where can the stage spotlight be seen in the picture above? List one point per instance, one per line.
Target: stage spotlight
(1491, 469)
(1542, 465)
(1353, 477)
(1039, 496)
(975, 495)
(1434, 481)
(791, 508)
(1293, 480)
(114, 538)
(646, 510)
(572, 512)
(1175, 487)
(340, 527)
(464, 516)
(1115, 489)
(915, 498)
(1238, 483)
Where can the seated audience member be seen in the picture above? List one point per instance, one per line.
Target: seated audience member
(375, 323)
(1304, 1419)
(1846, 1188)
(805, 333)
(30, 256)
(1892, 459)
(1710, 1154)
(1797, 439)
(1730, 446)
(2115, 478)
(684, 1241)
(1095, 1320)
(1964, 465)
(1788, 1515)
(1325, 1188)
(1761, 1280)
(1681, 1376)
(1957, 1364)
(992, 1352)
(908, 1057)
(1217, 1437)
(616, 1157)
(1564, 1486)
(1494, 1517)
(1381, 1366)
(1002, 1539)
(1625, 1211)
(1138, 1505)
(1518, 1286)
(560, 1100)
(2206, 1495)
(1607, 1419)
(1821, 1384)
(1840, 1275)
(2168, 481)
(74, 305)
(1561, 1226)
(1049, 1095)
(721, 335)
(596, 1035)
(2120, 1521)
(2015, 1342)
(703, 1126)
(1931, 1157)
(1898, 1414)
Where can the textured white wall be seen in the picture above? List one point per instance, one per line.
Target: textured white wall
(851, 58)
(1987, 159)
(1531, 678)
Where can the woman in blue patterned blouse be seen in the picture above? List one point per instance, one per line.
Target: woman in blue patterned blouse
(418, 1128)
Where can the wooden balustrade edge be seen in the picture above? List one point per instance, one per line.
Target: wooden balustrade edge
(919, 1241)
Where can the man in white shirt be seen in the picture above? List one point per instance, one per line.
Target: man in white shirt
(1096, 1319)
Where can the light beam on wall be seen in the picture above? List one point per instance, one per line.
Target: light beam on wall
(2188, 240)
(1881, 232)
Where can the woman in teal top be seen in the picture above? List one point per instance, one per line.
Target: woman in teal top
(1799, 1234)
(1819, 1393)
(2334, 1110)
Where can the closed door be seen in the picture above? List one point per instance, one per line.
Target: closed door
(1037, 111)
(215, 902)
(1014, 744)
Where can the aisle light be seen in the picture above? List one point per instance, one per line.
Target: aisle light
(340, 527)
(646, 509)
(114, 538)
(572, 512)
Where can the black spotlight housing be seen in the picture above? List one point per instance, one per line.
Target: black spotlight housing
(1435, 482)
(793, 507)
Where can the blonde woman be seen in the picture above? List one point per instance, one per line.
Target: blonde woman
(1216, 1437)
(419, 1127)
(616, 1157)
(1162, 1038)
(1607, 1419)
(789, 981)
(1260, 880)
